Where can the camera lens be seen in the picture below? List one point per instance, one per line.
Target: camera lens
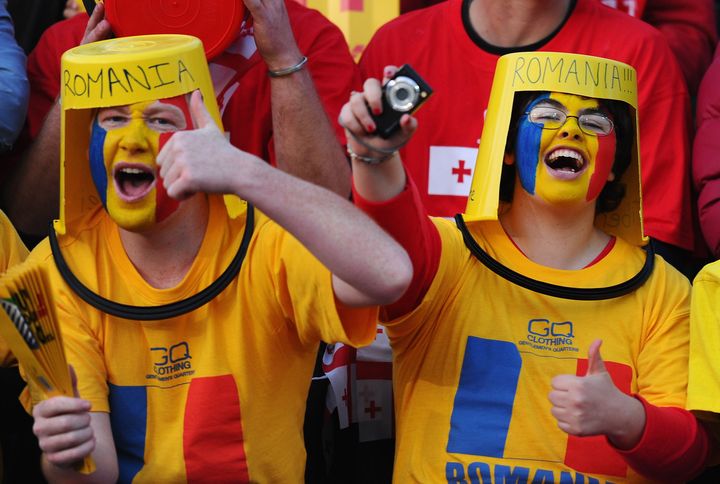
(402, 93)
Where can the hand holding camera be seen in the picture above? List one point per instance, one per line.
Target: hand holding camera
(403, 93)
(378, 120)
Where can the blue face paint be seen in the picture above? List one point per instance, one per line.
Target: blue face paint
(97, 160)
(527, 148)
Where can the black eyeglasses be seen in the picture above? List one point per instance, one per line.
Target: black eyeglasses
(549, 117)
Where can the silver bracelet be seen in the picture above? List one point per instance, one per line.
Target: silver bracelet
(288, 70)
(370, 160)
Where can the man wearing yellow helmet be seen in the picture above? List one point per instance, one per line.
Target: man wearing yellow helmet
(192, 320)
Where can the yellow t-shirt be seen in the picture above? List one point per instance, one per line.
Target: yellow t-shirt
(704, 378)
(474, 362)
(218, 394)
(12, 251)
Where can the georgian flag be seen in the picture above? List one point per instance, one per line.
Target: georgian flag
(451, 169)
(373, 396)
(338, 365)
(361, 386)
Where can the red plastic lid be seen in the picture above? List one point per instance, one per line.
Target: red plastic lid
(215, 22)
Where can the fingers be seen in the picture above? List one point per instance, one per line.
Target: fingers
(200, 115)
(71, 457)
(359, 102)
(169, 168)
(175, 169)
(563, 383)
(348, 121)
(175, 186)
(59, 406)
(559, 398)
(567, 428)
(70, 431)
(595, 362)
(62, 426)
(388, 73)
(373, 95)
(361, 113)
(408, 124)
(98, 28)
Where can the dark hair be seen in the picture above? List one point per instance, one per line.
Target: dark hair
(613, 191)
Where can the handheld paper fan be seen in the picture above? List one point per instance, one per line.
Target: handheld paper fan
(29, 325)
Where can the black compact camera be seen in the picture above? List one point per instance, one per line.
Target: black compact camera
(403, 94)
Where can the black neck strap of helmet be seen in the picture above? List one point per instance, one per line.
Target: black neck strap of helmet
(165, 311)
(575, 293)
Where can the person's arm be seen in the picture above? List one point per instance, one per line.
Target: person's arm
(383, 190)
(705, 163)
(368, 266)
(308, 147)
(674, 446)
(67, 432)
(13, 82)
(31, 193)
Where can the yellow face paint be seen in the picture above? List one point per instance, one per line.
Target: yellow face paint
(559, 185)
(126, 172)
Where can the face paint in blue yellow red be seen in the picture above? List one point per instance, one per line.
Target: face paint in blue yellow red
(124, 145)
(565, 164)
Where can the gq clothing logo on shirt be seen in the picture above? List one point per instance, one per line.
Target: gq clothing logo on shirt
(171, 362)
(544, 334)
(543, 327)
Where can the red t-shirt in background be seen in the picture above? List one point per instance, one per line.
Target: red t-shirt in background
(442, 154)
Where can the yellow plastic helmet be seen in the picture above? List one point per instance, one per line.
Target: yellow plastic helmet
(119, 72)
(582, 75)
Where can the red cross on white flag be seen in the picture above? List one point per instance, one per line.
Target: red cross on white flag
(450, 170)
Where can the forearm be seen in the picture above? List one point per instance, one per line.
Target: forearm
(705, 166)
(31, 193)
(673, 446)
(13, 81)
(345, 240)
(59, 475)
(13, 99)
(406, 220)
(379, 183)
(307, 146)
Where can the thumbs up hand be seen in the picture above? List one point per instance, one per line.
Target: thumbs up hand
(593, 405)
(202, 159)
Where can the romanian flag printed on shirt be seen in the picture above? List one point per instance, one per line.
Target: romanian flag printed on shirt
(358, 19)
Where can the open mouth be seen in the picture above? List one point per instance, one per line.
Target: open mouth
(565, 162)
(133, 180)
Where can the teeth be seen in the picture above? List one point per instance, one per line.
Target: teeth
(565, 153)
(133, 171)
